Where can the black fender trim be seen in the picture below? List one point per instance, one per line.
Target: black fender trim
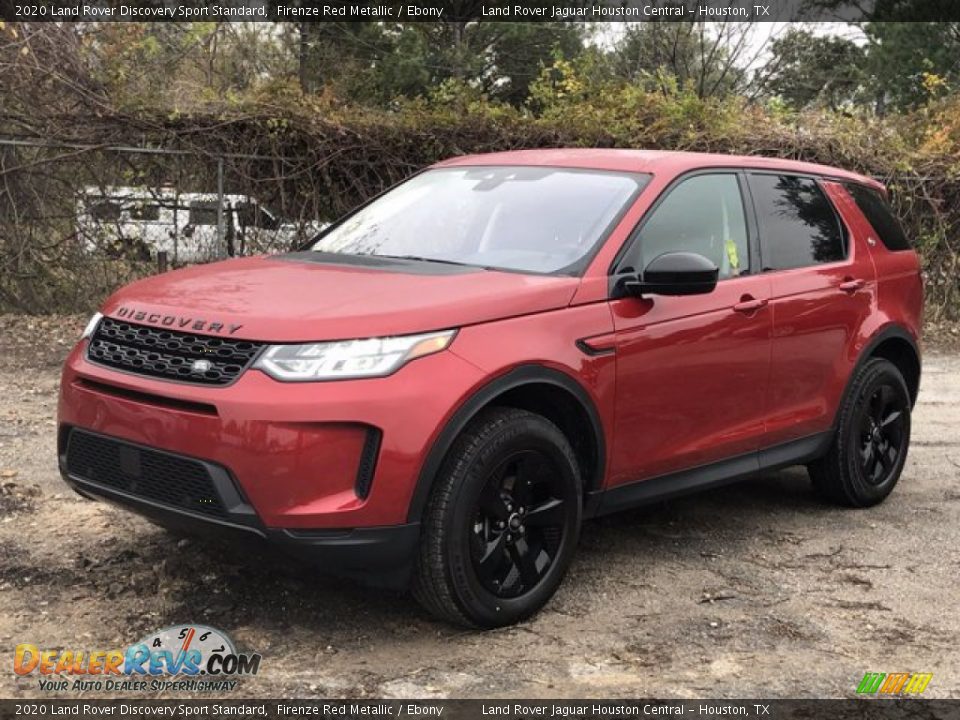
(522, 375)
(890, 332)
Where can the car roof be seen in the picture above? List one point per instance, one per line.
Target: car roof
(650, 161)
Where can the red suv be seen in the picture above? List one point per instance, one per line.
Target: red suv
(449, 380)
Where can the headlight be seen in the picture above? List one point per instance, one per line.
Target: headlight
(346, 359)
(91, 326)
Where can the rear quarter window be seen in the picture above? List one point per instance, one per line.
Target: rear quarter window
(879, 214)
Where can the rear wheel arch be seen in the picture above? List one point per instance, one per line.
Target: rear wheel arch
(896, 344)
(903, 353)
(538, 389)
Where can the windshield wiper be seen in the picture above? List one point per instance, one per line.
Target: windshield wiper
(421, 258)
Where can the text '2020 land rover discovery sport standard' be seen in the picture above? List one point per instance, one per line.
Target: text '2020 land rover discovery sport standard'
(442, 387)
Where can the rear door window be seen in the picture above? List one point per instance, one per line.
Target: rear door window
(878, 213)
(798, 225)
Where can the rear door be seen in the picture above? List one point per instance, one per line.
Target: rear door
(822, 289)
(692, 371)
(899, 282)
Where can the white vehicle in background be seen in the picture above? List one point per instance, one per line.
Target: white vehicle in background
(139, 222)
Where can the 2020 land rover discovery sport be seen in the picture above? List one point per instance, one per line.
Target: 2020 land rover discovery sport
(441, 388)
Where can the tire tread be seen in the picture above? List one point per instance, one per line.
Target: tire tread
(433, 586)
(829, 475)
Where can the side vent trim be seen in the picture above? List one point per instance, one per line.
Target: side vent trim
(368, 462)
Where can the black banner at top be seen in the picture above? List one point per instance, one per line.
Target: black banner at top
(478, 10)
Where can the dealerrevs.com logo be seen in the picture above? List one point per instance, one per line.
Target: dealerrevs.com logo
(193, 658)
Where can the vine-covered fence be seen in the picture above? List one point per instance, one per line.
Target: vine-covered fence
(114, 199)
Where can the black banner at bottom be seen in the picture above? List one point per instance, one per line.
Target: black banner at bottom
(483, 709)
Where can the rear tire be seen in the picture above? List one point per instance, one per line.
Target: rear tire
(502, 521)
(869, 450)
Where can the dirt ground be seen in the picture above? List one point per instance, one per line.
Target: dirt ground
(755, 590)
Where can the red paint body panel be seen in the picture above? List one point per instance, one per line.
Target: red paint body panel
(817, 327)
(899, 289)
(548, 340)
(692, 379)
(281, 301)
(293, 448)
(676, 382)
(662, 163)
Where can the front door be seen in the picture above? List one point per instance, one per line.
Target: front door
(693, 371)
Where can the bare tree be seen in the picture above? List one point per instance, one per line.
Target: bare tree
(712, 58)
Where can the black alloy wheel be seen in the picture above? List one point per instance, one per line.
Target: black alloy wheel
(502, 521)
(882, 436)
(519, 524)
(869, 448)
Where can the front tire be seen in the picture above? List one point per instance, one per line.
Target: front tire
(869, 450)
(502, 521)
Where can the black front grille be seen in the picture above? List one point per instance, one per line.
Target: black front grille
(150, 474)
(169, 354)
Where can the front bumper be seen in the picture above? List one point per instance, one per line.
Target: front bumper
(298, 456)
(376, 555)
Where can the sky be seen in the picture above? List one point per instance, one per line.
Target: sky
(759, 39)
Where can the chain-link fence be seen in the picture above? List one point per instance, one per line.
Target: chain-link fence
(76, 221)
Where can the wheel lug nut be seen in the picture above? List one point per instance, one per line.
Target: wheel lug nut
(522, 529)
(509, 507)
(522, 510)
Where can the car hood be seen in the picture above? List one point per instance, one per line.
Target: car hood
(308, 297)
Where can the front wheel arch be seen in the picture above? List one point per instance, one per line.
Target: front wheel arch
(506, 389)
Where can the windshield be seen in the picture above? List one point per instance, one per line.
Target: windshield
(530, 219)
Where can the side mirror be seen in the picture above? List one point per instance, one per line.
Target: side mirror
(676, 273)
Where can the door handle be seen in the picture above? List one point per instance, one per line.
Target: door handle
(749, 304)
(851, 285)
